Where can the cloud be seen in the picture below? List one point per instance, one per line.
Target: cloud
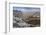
(26, 9)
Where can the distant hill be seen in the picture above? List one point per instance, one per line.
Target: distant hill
(27, 14)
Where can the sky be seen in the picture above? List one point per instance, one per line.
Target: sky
(27, 9)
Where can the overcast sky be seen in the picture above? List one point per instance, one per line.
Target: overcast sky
(27, 9)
